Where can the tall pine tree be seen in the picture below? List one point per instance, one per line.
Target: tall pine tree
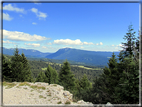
(66, 77)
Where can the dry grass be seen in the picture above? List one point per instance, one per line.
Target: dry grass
(8, 85)
(40, 96)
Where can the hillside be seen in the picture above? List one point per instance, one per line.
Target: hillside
(87, 57)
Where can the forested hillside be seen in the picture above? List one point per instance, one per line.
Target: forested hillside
(118, 83)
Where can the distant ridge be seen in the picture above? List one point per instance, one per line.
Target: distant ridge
(27, 52)
(89, 57)
(93, 58)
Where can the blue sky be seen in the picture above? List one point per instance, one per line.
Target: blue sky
(48, 27)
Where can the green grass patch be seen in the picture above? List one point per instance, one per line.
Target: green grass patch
(24, 83)
(44, 69)
(68, 102)
(40, 96)
(55, 85)
(25, 88)
(59, 102)
(32, 90)
(9, 85)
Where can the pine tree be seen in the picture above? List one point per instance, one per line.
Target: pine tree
(41, 77)
(6, 69)
(66, 77)
(129, 45)
(27, 74)
(84, 82)
(55, 76)
(49, 74)
(16, 67)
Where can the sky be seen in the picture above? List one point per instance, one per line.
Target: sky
(47, 27)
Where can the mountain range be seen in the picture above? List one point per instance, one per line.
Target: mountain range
(77, 55)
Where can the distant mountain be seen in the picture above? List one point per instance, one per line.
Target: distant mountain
(88, 57)
(28, 52)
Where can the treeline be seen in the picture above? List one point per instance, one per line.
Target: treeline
(118, 84)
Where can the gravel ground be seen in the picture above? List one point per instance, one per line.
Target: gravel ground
(25, 95)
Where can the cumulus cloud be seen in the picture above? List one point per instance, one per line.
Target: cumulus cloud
(38, 13)
(34, 23)
(49, 43)
(71, 42)
(68, 42)
(9, 7)
(86, 43)
(33, 44)
(21, 36)
(82, 47)
(112, 45)
(8, 42)
(6, 17)
(101, 43)
(44, 47)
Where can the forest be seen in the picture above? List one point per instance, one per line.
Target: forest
(118, 83)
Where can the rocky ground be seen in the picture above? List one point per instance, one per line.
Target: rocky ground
(37, 93)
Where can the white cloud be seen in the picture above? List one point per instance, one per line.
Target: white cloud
(86, 43)
(33, 44)
(6, 17)
(34, 23)
(9, 7)
(101, 43)
(44, 47)
(82, 47)
(8, 42)
(71, 42)
(112, 45)
(21, 36)
(68, 42)
(38, 13)
(49, 43)
(97, 44)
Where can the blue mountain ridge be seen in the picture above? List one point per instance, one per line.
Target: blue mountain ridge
(88, 57)
(77, 55)
(28, 52)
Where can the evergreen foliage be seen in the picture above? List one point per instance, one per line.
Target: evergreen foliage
(6, 69)
(41, 77)
(66, 77)
(119, 82)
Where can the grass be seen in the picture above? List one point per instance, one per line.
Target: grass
(37, 87)
(24, 83)
(32, 90)
(55, 85)
(49, 94)
(68, 102)
(59, 102)
(40, 96)
(9, 85)
(25, 88)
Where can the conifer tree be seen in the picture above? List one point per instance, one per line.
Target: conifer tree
(6, 69)
(66, 77)
(55, 76)
(49, 74)
(17, 66)
(26, 69)
(41, 77)
(84, 82)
